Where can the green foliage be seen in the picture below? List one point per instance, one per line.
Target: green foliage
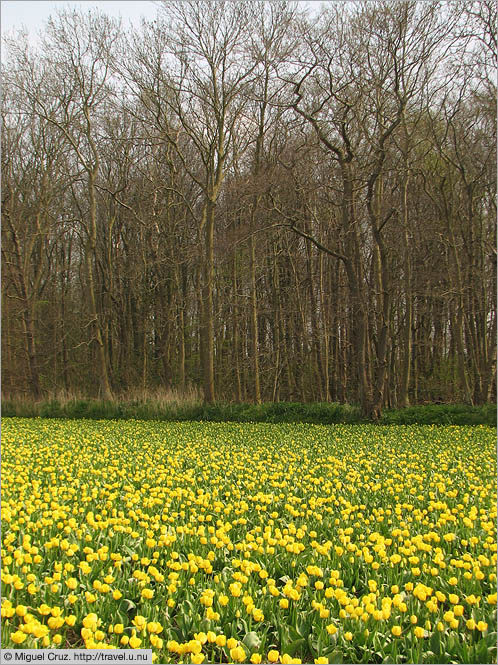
(441, 414)
(280, 412)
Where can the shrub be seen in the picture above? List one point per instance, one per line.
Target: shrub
(318, 413)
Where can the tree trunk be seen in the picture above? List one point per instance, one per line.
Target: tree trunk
(254, 318)
(352, 264)
(207, 323)
(406, 361)
(105, 387)
(30, 336)
(326, 335)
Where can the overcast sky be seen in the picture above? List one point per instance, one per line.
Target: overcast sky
(31, 14)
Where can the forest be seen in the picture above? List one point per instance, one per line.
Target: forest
(253, 202)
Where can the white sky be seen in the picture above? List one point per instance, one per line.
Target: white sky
(31, 14)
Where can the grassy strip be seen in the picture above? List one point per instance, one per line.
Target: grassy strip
(281, 412)
(441, 414)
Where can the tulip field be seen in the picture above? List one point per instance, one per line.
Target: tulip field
(250, 543)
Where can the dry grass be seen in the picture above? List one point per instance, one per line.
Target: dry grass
(159, 397)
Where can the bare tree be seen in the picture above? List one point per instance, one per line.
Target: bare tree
(198, 73)
(66, 88)
(256, 200)
(33, 182)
